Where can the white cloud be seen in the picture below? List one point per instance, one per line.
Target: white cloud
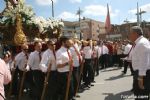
(75, 1)
(143, 8)
(99, 10)
(67, 15)
(45, 2)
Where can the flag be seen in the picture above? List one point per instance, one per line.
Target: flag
(107, 22)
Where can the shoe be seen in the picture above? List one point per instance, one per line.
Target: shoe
(131, 90)
(73, 98)
(97, 74)
(92, 85)
(93, 82)
(77, 96)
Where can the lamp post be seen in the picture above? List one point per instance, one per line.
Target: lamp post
(52, 8)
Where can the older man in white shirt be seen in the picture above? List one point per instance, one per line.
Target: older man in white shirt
(141, 64)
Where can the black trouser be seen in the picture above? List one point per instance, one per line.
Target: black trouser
(104, 60)
(120, 62)
(126, 64)
(17, 81)
(139, 92)
(95, 66)
(114, 56)
(75, 75)
(110, 60)
(88, 72)
(62, 85)
(38, 82)
(51, 90)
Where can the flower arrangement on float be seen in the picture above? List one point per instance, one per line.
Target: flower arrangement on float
(33, 26)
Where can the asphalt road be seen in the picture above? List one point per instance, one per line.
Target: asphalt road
(110, 85)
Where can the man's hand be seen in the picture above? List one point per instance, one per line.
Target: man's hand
(141, 83)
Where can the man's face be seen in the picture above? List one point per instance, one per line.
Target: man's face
(68, 43)
(38, 46)
(25, 48)
(52, 46)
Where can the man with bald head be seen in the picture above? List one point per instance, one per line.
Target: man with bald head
(141, 64)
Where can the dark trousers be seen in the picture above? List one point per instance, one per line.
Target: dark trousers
(75, 75)
(38, 82)
(51, 91)
(120, 62)
(88, 72)
(17, 78)
(110, 60)
(139, 92)
(126, 64)
(15, 81)
(104, 60)
(62, 85)
(114, 56)
(95, 66)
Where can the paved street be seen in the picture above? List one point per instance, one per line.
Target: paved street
(110, 85)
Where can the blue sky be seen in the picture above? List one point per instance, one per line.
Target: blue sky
(95, 9)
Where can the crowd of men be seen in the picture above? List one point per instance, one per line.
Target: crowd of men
(63, 68)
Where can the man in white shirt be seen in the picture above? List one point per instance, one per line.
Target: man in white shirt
(127, 60)
(141, 64)
(88, 72)
(48, 65)
(104, 56)
(21, 66)
(38, 75)
(64, 64)
(77, 59)
(95, 58)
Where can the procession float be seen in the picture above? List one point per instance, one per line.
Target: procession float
(19, 24)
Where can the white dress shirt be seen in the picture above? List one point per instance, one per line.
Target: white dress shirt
(34, 60)
(47, 59)
(87, 52)
(104, 50)
(95, 51)
(127, 49)
(61, 58)
(21, 61)
(141, 56)
(75, 56)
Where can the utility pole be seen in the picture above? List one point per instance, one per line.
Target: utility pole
(52, 8)
(138, 20)
(139, 15)
(79, 12)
